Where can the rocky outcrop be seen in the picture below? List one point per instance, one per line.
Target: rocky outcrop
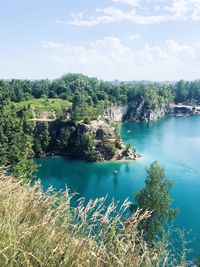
(105, 145)
(96, 141)
(139, 111)
(153, 115)
(101, 128)
(134, 111)
(126, 154)
(116, 113)
(181, 109)
(108, 146)
(81, 129)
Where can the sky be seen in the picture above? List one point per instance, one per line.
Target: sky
(108, 39)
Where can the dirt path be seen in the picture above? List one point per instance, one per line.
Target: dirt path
(45, 115)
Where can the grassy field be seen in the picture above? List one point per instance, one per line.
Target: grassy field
(39, 106)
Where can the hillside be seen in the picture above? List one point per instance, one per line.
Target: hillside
(42, 109)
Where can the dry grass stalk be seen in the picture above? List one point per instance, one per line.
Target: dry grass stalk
(41, 229)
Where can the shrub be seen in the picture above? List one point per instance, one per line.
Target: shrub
(111, 149)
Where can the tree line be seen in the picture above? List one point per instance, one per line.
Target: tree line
(92, 90)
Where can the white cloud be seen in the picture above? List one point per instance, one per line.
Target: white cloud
(185, 9)
(178, 7)
(110, 59)
(112, 14)
(183, 52)
(174, 10)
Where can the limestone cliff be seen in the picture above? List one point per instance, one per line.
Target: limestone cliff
(116, 113)
(134, 111)
(107, 144)
(97, 141)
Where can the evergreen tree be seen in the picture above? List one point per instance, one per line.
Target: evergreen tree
(155, 198)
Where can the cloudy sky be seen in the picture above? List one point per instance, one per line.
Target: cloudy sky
(108, 39)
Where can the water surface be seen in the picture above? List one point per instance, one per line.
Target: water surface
(173, 142)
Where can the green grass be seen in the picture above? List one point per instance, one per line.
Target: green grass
(44, 104)
(39, 105)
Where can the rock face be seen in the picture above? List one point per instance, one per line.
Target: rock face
(101, 128)
(182, 109)
(98, 141)
(116, 113)
(134, 111)
(81, 129)
(138, 111)
(126, 154)
(107, 145)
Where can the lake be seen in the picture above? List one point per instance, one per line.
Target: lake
(173, 142)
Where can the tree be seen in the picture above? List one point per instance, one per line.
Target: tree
(12, 149)
(42, 140)
(63, 139)
(25, 170)
(155, 197)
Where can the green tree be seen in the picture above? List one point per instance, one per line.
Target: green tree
(42, 140)
(155, 198)
(12, 148)
(63, 139)
(25, 170)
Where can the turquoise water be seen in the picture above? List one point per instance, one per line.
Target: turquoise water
(173, 142)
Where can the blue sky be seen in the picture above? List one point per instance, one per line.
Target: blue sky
(108, 39)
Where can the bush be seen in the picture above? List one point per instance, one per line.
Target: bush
(87, 121)
(111, 149)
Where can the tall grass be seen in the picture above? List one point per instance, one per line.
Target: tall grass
(41, 229)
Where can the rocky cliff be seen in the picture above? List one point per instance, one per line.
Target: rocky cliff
(97, 141)
(181, 109)
(134, 111)
(116, 113)
(106, 144)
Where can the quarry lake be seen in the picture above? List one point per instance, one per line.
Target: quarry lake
(173, 142)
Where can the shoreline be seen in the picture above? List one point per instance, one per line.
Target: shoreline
(138, 156)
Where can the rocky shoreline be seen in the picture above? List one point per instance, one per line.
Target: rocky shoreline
(105, 136)
(136, 112)
(107, 144)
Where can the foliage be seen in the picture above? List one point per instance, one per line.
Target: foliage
(63, 139)
(187, 92)
(41, 140)
(84, 148)
(38, 106)
(155, 198)
(76, 97)
(91, 93)
(128, 147)
(25, 170)
(87, 121)
(111, 149)
(117, 131)
(88, 96)
(15, 143)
